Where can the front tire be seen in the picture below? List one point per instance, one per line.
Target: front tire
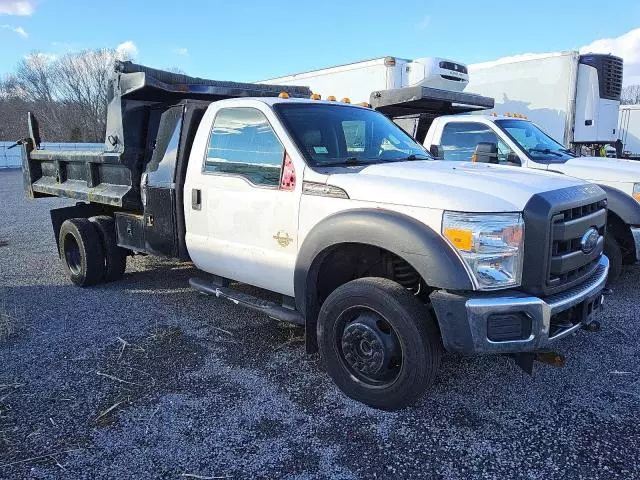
(613, 251)
(380, 344)
(81, 251)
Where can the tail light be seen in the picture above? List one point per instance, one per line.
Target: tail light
(288, 180)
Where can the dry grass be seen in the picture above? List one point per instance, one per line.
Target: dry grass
(8, 322)
(7, 325)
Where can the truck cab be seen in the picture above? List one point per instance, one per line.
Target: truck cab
(385, 256)
(515, 141)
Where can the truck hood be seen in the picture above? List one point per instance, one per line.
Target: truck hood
(459, 186)
(600, 169)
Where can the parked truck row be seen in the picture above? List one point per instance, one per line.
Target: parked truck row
(385, 256)
(575, 96)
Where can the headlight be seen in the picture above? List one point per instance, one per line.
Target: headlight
(490, 244)
(636, 191)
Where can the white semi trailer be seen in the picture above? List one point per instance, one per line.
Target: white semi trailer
(629, 128)
(357, 80)
(573, 97)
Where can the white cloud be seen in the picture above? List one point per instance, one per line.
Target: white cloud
(424, 23)
(19, 30)
(12, 7)
(183, 52)
(127, 50)
(626, 46)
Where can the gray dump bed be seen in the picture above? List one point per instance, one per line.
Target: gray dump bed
(137, 97)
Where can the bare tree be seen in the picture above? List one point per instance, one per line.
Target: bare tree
(630, 95)
(67, 94)
(81, 80)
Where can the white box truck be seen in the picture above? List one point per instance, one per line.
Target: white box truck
(573, 97)
(629, 131)
(357, 80)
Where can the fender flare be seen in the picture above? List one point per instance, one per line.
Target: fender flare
(423, 248)
(623, 205)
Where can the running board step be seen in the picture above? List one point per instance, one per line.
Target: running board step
(271, 309)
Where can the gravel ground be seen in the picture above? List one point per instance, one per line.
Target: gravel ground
(145, 378)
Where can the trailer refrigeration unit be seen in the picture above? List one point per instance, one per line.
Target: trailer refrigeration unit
(573, 97)
(629, 131)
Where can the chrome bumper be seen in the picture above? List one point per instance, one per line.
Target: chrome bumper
(471, 334)
(636, 239)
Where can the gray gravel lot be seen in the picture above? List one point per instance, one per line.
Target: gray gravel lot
(145, 378)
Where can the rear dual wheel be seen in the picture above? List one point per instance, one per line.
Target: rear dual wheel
(380, 344)
(89, 251)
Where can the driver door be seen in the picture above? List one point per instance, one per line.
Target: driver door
(251, 216)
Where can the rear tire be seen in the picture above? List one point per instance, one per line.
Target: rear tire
(81, 251)
(115, 256)
(613, 251)
(380, 344)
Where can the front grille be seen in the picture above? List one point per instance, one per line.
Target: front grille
(611, 81)
(455, 79)
(456, 67)
(569, 263)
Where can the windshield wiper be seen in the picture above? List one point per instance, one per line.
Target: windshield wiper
(413, 156)
(346, 162)
(546, 151)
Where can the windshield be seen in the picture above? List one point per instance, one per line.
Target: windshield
(539, 146)
(341, 135)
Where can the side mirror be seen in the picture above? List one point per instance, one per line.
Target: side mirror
(486, 152)
(437, 151)
(513, 159)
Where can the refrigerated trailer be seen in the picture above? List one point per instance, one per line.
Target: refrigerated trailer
(357, 80)
(573, 97)
(411, 92)
(629, 128)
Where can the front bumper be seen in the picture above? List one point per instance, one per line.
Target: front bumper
(511, 322)
(635, 231)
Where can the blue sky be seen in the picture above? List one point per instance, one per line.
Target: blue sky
(250, 40)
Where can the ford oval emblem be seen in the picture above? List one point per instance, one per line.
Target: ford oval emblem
(589, 240)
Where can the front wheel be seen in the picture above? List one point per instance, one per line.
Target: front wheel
(380, 344)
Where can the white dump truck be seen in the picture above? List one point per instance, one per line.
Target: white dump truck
(518, 142)
(385, 256)
(572, 97)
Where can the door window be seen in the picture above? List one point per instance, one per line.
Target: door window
(243, 143)
(459, 141)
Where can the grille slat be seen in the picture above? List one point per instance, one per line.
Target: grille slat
(612, 77)
(568, 263)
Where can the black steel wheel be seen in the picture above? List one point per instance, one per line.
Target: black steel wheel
(369, 346)
(379, 343)
(81, 252)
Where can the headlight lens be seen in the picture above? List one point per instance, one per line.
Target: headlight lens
(490, 244)
(636, 191)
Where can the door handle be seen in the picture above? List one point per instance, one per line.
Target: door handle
(196, 199)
